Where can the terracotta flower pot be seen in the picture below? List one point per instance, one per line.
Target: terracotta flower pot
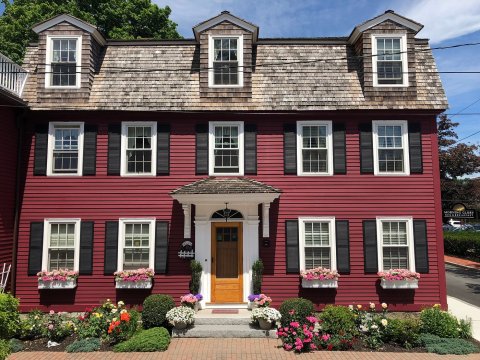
(180, 325)
(264, 324)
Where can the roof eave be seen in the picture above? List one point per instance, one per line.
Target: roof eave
(225, 16)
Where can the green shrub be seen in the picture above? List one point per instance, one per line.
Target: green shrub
(154, 339)
(9, 316)
(155, 308)
(296, 309)
(84, 345)
(4, 349)
(465, 329)
(338, 320)
(438, 322)
(462, 243)
(404, 332)
(33, 326)
(194, 284)
(257, 276)
(444, 346)
(16, 345)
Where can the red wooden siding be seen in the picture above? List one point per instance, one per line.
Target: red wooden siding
(352, 197)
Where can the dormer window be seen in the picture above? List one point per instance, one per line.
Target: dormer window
(63, 62)
(225, 63)
(389, 60)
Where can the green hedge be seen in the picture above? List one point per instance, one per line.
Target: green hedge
(465, 244)
(154, 339)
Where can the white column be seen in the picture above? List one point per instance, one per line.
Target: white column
(250, 252)
(266, 220)
(187, 228)
(203, 255)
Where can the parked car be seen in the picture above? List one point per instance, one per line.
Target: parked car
(455, 223)
(448, 227)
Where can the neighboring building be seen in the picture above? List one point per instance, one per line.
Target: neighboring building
(323, 149)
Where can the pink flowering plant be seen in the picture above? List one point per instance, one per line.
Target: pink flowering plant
(189, 300)
(58, 326)
(319, 273)
(57, 275)
(399, 274)
(134, 275)
(262, 300)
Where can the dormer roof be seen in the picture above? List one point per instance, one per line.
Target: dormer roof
(226, 16)
(47, 24)
(388, 15)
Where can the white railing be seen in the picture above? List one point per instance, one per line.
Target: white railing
(12, 76)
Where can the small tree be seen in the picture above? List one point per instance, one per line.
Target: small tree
(196, 269)
(257, 276)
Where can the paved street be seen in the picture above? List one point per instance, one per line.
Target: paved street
(463, 283)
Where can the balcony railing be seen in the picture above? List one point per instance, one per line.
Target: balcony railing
(12, 76)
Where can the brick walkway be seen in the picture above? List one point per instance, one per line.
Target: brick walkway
(462, 262)
(226, 349)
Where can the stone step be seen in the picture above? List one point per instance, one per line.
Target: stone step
(224, 331)
(222, 320)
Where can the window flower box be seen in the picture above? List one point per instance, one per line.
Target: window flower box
(318, 284)
(57, 279)
(399, 279)
(57, 284)
(399, 284)
(141, 284)
(134, 279)
(319, 277)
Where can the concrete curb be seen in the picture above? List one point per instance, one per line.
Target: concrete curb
(464, 310)
(461, 265)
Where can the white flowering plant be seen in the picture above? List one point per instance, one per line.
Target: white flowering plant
(181, 314)
(371, 323)
(266, 313)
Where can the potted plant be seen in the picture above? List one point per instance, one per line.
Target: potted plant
(251, 301)
(257, 278)
(399, 279)
(134, 279)
(265, 317)
(180, 317)
(194, 285)
(319, 277)
(191, 301)
(57, 279)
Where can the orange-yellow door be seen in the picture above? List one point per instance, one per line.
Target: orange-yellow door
(227, 266)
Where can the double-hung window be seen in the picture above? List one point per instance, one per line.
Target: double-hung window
(139, 148)
(389, 60)
(390, 148)
(63, 67)
(317, 243)
(65, 148)
(136, 244)
(226, 151)
(395, 243)
(61, 244)
(225, 61)
(314, 148)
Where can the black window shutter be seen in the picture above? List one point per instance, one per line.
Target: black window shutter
(86, 248)
(163, 149)
(114, 149)
(201, 149)
(41, 146)
(250, 149)
(343, 246)
(161, 247)
(35, 248)
(290, 149)
(366, 149)
(111, 247)
(89, 149)
(292, 251)
(370, 246)
(339, 149)
(415, 148)
(421, 245)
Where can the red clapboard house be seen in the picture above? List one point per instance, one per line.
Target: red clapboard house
(300, 152)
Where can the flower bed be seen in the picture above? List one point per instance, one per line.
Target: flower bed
(319, 278)
(134, 279)
(399, 279)
(57, 279)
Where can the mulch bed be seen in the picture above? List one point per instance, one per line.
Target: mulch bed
(41, 345)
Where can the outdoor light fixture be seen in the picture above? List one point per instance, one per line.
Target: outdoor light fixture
(226, 212)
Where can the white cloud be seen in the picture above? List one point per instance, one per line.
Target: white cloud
(443, 19)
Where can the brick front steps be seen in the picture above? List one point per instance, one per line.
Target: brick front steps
(208, 325)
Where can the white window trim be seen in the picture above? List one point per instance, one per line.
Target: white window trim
(403, 55)
(300, 125)
(301, 239)
(51, 145)
(239, 58)
(405, 145)
(46, 241)
(121, 239)
(411, 250)
(211, 145)
(123, 155)
(48, 62)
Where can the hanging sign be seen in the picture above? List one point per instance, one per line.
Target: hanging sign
(459, 211)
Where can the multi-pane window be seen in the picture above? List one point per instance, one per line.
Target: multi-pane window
(389, 61)
(63, 65)
(317, 243)
(136, 244)
(61, 244)
(225, 61)
(65, 149)
(139, 149)
(391, 146)
(314, 148)
(226, 144)
(394, 241)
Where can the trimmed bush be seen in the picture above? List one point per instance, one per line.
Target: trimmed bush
(257, 276)
(84, 345)
(194, 285)
(154, 339)
(4, 349)
(155, 308)
(444, 346)
(9, 316)
(465, 244)
(338, 320)
(441, 323)
(16, 345)
(404, 332)
(296, 309)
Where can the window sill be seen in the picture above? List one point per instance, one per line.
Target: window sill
(145, 284)
(57, 285)
(399, 284)
(317, 284)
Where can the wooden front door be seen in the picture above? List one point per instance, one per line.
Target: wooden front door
(227, 269)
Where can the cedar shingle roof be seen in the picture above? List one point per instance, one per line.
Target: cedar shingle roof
(213, 185)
